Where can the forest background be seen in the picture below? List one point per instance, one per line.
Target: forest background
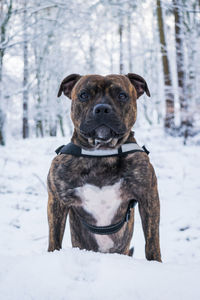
(41, 42)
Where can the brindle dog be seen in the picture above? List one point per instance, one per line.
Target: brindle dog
(98, 189)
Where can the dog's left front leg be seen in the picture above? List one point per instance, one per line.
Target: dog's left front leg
(149, 208)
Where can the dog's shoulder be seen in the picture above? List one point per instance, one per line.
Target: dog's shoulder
(138, 158)
(59, 161)
(58, 167)
(139, 164)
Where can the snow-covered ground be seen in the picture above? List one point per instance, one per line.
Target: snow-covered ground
(27, 271)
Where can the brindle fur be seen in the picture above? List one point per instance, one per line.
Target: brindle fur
(138, 179)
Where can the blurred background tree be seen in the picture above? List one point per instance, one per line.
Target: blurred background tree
(43, 41)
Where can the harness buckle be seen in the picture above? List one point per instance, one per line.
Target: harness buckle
(128, 214)
(132, 204)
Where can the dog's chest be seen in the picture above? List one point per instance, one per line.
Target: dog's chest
(102, 204)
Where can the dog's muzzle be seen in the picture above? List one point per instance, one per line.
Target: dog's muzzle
(102, 133)
(103, 125)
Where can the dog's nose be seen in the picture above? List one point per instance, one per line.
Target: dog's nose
(102, 109)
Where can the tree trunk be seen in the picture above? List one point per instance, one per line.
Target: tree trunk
(129, 43)
(91, 54)
(53, 129)
(38, 66)
(2, 123)
(121, 64)
(3, 26)
(185, 122)
(39, 128)
(2, 114)
(40, 53)
(169, 96)
(25, 126)
(60, 119)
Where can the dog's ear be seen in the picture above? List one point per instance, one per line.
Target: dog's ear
(139, 84)
(67, 85)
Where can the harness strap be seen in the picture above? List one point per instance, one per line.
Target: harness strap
(106, 230)
(121, 151)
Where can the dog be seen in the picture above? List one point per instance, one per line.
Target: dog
(92, 184)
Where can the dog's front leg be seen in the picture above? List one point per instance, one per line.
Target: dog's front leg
(57, 214)
(149, 208)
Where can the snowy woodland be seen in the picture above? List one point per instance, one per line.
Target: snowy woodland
(43, 41)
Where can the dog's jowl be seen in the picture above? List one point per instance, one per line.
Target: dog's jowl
(98, 178)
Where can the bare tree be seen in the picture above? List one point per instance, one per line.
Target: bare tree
(5, 15)
(121, 29)
(191, 30)
(47, 118)
(169, 96)
(180, 62)
(25, 126)
(129, 37)
(131, 7)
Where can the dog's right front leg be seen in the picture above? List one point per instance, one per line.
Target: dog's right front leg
(57, 214)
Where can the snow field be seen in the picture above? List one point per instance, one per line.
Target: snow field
(27, 271)
(74, 274)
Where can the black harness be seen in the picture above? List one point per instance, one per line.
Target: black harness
(106, 230)
(122, 151)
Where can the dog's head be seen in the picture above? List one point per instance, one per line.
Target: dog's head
(103, 107)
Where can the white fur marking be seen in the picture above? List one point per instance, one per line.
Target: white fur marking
(102, 204)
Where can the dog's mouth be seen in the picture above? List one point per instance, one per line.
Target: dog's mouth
(103, 133)
(103, 136)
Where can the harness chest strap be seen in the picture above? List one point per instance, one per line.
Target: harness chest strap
(121, 151)
(106, 230)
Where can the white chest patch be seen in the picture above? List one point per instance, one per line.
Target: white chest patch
(102, 204)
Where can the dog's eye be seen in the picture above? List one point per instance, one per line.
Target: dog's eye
(123, 96)
(83, 96)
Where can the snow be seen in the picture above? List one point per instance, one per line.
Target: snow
(74, 274)
(28, 271)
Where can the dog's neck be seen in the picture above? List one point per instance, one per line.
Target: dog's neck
(82, 142)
